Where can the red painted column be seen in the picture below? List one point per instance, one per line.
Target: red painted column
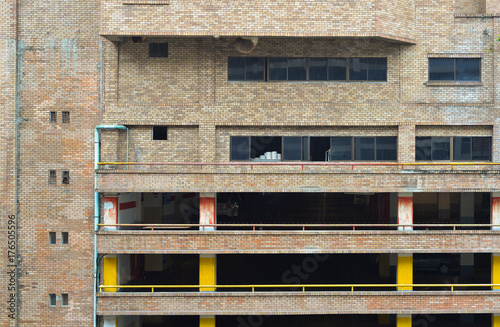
(495, 210)
(405, 211)
(110, 204)
(207, 211)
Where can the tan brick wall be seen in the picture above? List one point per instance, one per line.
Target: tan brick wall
(297, 242)
(299, 303)
(471, 6)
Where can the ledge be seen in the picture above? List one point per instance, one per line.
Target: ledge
(454, 84)
(492, 15)
(146, 2)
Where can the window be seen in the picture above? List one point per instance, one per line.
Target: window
(432, 148)
(455, 69)
(158, 50)
(160, 133)
(65, 177)
(64, 300)
(53, 116)
(52, 300)
(65, 117)
(314, 148)
(64, 238)
(52, 238)
(307, 69)
(52, 177)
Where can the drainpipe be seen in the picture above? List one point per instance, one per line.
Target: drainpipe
(97, 151)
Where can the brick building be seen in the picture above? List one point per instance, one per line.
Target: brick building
(236, 163)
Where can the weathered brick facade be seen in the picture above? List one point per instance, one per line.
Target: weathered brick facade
(78, 57)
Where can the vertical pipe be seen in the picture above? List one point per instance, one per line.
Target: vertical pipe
(127, 146)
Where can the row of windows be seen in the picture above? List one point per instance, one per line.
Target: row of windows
(307, 69)
(382, 148)
(455, 69)
(53, 238)
(313, 148)
(53, 117)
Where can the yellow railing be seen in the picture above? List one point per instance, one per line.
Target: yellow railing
(302, 287)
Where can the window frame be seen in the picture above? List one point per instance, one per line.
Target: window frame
(163, 128)
(454, 80)
(158, 53)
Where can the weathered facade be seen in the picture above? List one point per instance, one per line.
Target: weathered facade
(69, 66)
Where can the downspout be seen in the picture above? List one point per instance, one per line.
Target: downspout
(97, 151)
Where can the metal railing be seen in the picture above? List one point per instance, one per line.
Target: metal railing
(304, 287)
(303, 165)
(302, 227)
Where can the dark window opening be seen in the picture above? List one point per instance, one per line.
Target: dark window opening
(469, 148)
(53, 116)
(245, 69)
(158, 50)
(318, 148)
(52, 177)
(64, 238)
(65, 117)
(52, 238)
(64, 300)
(267, 146)
(455, 69)
(65, 176)
(52, 300)
(160, 133)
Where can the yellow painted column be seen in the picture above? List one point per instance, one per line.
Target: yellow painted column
(207, 272)
(110, 272)
(405, 271)
(495, 270)
(495, 320)
(404, 321)
(405, 211)
(207, 321)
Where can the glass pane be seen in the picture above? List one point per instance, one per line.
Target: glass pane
(240, 148)
(377, 69)
(337, 69)
(319, 145)
(260, 145)
(292, 149)
(387, 148)
(461, 148)
(364, 148)
(305, 148)
(441, 69)
(235, 69)
(440, 148)
(468, 69)
(357, 69)
(423, 148)
(277, 69)
(341, 148)
(318, 69)
(255, 69)
(481, 148)
(297, 69)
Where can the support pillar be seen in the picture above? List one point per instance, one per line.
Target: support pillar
(110, 272)
(467, 217)
(110, 204)
(495, 270)
(207, 321)
(495, 210)
(405, 271)
(495, 320)
(208, 212)
(405, 211)
(208, 267)
(404, 321)
(110, 321)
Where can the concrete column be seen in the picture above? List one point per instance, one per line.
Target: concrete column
(495, 270)
(405, 271)
(495, 210)
(207, 321)
(404, 321)
(208, 210)
(495, 320)
(405, 211)
(110, 321)
(208, 270)
(110, 204)
(467, 217)
(110, 272)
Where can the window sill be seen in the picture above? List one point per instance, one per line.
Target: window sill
(146, 2)
(451, 83)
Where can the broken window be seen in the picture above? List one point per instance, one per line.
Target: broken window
(65, 117)
(52, 177)
(65, 176)
(53, 116)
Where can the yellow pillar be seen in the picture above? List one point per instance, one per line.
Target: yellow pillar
(207, 321)
(110, 272)
(207, 272)
(405, 271)
(495, 270)
(495, 320)
(404, 321)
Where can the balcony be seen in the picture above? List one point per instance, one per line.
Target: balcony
(392, 20)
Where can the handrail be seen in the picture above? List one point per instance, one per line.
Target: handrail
(453, 287)
(302, 164)
(298, 226)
